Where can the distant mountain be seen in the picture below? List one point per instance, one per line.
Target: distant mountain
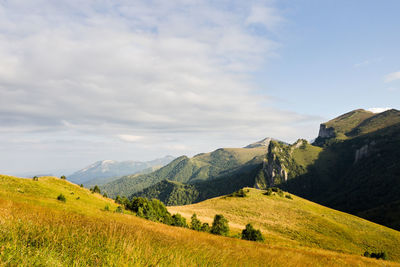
(202, 167)
(111, 168)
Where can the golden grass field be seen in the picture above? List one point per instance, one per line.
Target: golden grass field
(297, 223)
(38, 230)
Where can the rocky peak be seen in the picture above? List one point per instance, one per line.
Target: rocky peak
(325, 132)
(263, 143)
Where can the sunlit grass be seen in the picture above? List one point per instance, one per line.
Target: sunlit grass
(36, 229)
(297, 223)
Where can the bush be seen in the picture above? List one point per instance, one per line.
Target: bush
(153, 210)
(379, 255)
(239, 193)
(205, 227)
(96, 189)
(107, 208)
(195, 224)
(119, 209)
(220, 225)
(35, 178)
(178, 220)
(269, 192)
(81, 185)
(63, 177)
(61, 197)
(249, 233)
(105, 194)
(288, 196)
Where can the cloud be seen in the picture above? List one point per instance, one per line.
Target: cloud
(392, 77)
(378, 110)
(176, 72)
(129, 138)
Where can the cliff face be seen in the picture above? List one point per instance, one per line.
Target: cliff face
(284, 162)
(325, 132)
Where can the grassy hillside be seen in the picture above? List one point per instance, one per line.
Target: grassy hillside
(297, 223)
(356, 123)
(357, 175)
(347, 122)
(187, 170)
(37, 229)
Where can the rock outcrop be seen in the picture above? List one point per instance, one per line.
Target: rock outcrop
(325, 132)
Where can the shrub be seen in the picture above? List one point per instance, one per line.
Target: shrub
(378, 255)
(81, 185)
(107, 208)
(96, 189)
(288, 196)
(119, 209)
(153, 210)
(239, 193)
(105, 194)
(61, 197)
(63, 177)
(205, 227)
(178, 220)
(220, 225)
(118, 199)
(35, 178)
(249, 233)
(269, 192)
(195, 224)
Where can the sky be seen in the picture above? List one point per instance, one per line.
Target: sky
(82, 81)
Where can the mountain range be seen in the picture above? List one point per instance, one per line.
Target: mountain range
(353, 166)
(107, 170)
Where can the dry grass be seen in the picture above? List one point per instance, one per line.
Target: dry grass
(298, 223)
(35, 230)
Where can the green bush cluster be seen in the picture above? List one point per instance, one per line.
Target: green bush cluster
(220, 225)
(35, 178)
(95, 189)
(378, 255)
(239, 193)
(249, 233)
(272, 190)
(61, 197)
(63, 177)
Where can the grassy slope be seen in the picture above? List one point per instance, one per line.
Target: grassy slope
(36, 229)
(298, 222)
(347, 122)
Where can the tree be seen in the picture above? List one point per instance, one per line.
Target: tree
(119, 209)
(96, 189)
(249, 233)
(105, 194)
(220, 225)
(63, 177)
(35, 178)
(61, 197)
(81, 185)
(195, 223)
(178, 220)
(205, 227)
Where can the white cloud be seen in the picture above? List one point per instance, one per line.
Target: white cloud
(129, 138)
(378, 110)
(392, 77)
(159, 69)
